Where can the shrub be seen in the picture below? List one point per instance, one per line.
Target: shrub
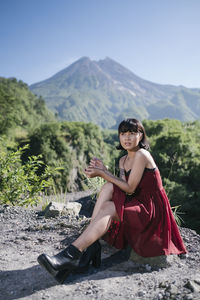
(20, 184)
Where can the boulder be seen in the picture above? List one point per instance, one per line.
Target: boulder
(55, 209)
(194, 283)
(162, 261)
(73, 208)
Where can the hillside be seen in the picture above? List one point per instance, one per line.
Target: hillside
(19, 107)
(104, 92)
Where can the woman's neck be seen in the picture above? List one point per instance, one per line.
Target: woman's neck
(131, 153)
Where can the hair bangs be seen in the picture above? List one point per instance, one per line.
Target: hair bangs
(127, 125)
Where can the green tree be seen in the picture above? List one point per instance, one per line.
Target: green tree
(176, 149)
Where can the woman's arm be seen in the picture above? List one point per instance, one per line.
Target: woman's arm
(134, 177)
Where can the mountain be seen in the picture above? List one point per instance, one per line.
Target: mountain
(104, 92)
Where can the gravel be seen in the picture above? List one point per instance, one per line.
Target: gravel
(25, 234)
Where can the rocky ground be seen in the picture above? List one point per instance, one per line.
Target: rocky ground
(25, 234)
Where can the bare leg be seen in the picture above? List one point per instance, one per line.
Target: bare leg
(98, 226)
(104, 195)
(69, 257)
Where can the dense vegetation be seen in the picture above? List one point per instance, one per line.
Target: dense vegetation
(20, 109)
(70, 146)
(66, 147)
(176, 149)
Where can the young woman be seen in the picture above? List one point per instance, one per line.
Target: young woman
(132, 209)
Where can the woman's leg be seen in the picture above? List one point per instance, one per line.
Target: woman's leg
(104, 195)
(69, 258)
(98, 226)
(101, 205)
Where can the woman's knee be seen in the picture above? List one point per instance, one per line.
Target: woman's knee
(108, 207)
(107, 188)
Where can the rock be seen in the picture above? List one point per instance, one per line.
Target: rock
(193, 286)
(167, 294)
(162, 261)
(55, 209)
(141, 293)
(183, 256)
(197, 279)
(160, 296)
(188, 297)
(148, 268)
(163, 284)
(73, 208)
(172, 289)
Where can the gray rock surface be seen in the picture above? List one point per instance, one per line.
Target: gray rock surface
(55, 209)
(25, 235)
(163, 261)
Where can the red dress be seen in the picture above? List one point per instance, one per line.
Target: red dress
(147, 222)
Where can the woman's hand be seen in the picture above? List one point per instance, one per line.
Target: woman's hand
(97, 163)
(92, 172)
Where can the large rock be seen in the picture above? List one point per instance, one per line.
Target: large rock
(55, 209)
(194, 283)
(162, 261)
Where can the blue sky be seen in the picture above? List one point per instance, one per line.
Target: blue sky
(158, 40)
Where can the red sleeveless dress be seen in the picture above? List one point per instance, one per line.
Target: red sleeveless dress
(147, 222)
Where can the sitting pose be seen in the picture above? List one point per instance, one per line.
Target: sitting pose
(130, 210)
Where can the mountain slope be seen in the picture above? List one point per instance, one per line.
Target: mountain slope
(19, 107)
(104, 91)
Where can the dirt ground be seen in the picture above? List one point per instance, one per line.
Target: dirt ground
(25, 235)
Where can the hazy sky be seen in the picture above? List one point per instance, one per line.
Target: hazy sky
(158, 40)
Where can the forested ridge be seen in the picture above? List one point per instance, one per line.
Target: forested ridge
(20, 109)
(66, 148)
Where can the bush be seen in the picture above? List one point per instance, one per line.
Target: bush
(20, 184)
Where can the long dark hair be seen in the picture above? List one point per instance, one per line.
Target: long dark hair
(133, 125)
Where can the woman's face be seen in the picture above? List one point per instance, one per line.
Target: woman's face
(130, 139)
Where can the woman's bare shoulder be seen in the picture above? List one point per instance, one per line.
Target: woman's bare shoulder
(146, 155)
(143, 152)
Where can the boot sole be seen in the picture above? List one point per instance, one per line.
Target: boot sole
(61, 276)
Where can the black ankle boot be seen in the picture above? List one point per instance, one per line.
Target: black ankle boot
(66, 259)
(92, 254)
